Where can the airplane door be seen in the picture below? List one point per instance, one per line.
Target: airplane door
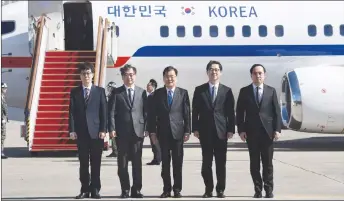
(78, 26)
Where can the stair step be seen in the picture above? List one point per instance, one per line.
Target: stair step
(54, 147)
(53, 107)
(69, 59)
(57, 89)
(61, 77)
(61, 65)
(52, 121)
(48, 95)
(54, 101)
(51, 127)
(61, 83)
(53, 141)
(60, 114)
(51, 134)
(61, 71)
(70, 53)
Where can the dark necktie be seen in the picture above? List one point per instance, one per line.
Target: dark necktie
(130, 97)
(169, 97)
(87, 95)
(213, 94)
(257, 95)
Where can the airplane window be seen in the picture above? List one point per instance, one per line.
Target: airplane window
(180, 31)
(246, 31)
(341, 29)
(312, 30)
(213, 31)
(117, 31)
(279, 31)
(230, 31)
(164, 31)
(197, 31)
(7, 27)
(263, 31)
(328, 30)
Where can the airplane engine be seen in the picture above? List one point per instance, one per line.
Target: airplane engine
(312, 99)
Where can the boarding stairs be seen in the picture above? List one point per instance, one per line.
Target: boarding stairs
(53, 75)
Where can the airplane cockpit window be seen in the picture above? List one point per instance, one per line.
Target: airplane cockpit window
(246, 31)
(230, 31)
(7, 27)
(312, 30)
(279, 31)
(341, 30)
(180, 31)
(117, 31)
(328, 30)
(164, 31)
(263, 31)
(197, 31)
(213, 31)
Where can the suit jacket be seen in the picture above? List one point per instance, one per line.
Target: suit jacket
(92, 116)
(123, 117)
(250, 115)
(175, 119)
(205, 113)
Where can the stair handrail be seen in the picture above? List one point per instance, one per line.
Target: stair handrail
(104, 55)
(40, 25)
(98, 51)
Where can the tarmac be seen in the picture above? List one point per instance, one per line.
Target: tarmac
(307, 166)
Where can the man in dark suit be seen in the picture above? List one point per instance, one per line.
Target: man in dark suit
(87, 124)
(127, 122)
(151, 87)
(169, 123)
(213, 123)
(259, 123)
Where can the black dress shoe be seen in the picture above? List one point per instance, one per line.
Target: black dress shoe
(257, 195)
(95, 194)
(125, 194)
(207, 195)
(269, 195)
(82, 196)
(220, 194)
(153, 162)
(4, 156)
(165, 195)
(136, 194)
(177, 194)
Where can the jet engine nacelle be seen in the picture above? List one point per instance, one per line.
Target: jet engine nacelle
(312, 99)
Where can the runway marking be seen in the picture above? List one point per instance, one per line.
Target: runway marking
(323, 175)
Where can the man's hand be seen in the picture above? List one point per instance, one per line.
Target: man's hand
(146, 133)
(154, 138)
(186, 137)
(243, 136)
(102, 135)
(112, 134)
(229, 135)
(196, 134)
(73, 136)
(276, 135)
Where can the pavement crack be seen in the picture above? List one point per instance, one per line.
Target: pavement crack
(299, 167)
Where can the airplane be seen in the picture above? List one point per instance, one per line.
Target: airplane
(301, 45)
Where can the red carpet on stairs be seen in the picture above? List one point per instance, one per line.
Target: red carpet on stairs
(59, 77)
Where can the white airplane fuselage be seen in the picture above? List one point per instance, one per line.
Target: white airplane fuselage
(237, 34)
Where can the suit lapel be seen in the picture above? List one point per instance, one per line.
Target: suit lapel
(251, 93)
(164, 98)
(176, 96)
(80, 96)
(264, 95)
(125, 95)
(219, 94)
(208, 95)
(136, 97)
(91, 94)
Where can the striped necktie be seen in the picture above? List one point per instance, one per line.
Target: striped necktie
(87, 95)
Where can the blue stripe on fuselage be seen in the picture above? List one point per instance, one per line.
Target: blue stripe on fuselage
(239, 50)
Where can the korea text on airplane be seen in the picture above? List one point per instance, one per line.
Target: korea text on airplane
(232, 11)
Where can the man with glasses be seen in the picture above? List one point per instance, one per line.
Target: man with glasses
(87, 125)
(213, 123)
(169, 123)
(127, 122)
(259, 123)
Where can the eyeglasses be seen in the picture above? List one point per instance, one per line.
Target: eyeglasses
(87, 73)
(129, 74)
(214, 69)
